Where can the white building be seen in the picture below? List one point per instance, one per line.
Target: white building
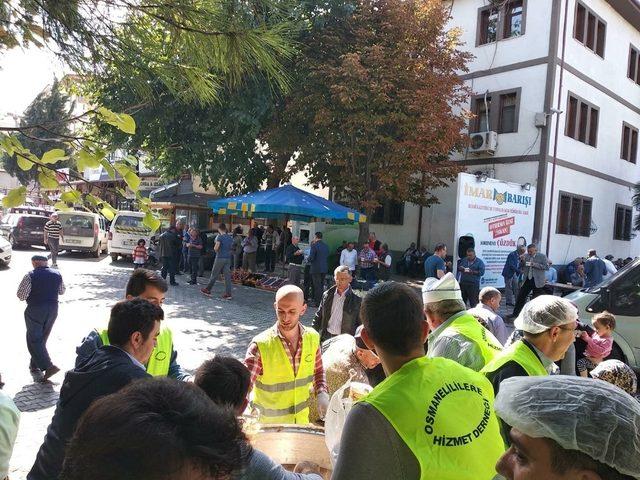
(533, 71)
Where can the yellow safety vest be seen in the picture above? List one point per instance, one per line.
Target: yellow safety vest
(469, 327)
(444, 413)
(520, 353)
(160, 360)
(281, 395)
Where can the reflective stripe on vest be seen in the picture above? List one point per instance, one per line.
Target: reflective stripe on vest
(469, 327)
(520, 353)
(444, 413)
(281, 396)
(160, 360)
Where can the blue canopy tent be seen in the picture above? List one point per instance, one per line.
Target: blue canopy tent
(286, 202)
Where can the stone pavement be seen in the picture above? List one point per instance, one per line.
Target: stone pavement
(201, 326)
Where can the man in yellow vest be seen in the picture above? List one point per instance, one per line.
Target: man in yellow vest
(455, 333)
(285, 361)
(147, 285)
(431, 418)
(548, 324)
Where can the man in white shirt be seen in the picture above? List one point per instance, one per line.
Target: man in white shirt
(611, 268)
(349, 258)
(339, 310)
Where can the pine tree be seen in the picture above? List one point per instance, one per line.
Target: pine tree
(48, 110)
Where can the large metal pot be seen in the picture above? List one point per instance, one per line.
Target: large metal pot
(291, 444)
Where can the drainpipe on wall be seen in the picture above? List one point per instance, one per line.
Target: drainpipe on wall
(557, 130)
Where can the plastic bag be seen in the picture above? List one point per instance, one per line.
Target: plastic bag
(339, 408)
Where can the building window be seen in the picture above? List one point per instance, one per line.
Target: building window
(574, 215)
(582, 120)
(633, 71)
(482, 111)
(589, 29)
(624, 219)
(507, 123)
(503, 119)
(497, 22)
(629, 149)
(513, 19)
(389, 213)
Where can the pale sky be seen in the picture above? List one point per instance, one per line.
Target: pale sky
(24, 73)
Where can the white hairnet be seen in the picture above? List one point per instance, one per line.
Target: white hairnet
(544, 312)
(591, 416)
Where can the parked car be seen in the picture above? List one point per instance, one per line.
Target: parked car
(22, 229)
(620, 295)
(5, 252)
(83, 232)
(125, 231)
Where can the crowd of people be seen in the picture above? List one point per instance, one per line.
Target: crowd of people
(454, 396)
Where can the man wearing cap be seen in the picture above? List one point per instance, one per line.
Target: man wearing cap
(40, 288)
(455, 334)
(548, 324)
(569, 428)
(52, 235)
(430, 419)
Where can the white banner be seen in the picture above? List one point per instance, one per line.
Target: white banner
(499, 216)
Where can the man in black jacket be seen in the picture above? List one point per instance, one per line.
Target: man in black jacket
(133, 327)
(168, 244)
(339, 310)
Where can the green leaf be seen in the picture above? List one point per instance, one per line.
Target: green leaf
(108, 212)
(62, 206)
(86, 160)
(23, 163)
(15, 197)
(93, 200)
(129, 176)
(150, 221)
(71, 196)
(108, 167)
(121, 121)
(5, 143)
(47, 180)
(131, 160)
(53, 156)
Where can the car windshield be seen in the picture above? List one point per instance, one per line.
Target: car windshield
(612, 278)
(130, 224)
(77, 225)
(36, 222)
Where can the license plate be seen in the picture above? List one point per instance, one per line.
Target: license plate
(36, 233)
(131, 243)
(73, 241)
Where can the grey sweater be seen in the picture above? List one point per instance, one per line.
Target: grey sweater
(262, 467)
(371, 448)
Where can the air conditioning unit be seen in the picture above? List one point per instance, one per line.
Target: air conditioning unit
(483, 142)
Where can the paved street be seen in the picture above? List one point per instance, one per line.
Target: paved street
(201, 326)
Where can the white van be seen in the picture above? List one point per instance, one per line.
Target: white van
(125, 231)
(619, 294)
(83, 232)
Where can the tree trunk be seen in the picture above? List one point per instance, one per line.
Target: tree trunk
(363, 235)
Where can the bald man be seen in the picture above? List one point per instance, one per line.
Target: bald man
(284, 361)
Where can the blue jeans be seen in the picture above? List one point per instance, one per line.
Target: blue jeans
(39, 320)
(369, 276)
